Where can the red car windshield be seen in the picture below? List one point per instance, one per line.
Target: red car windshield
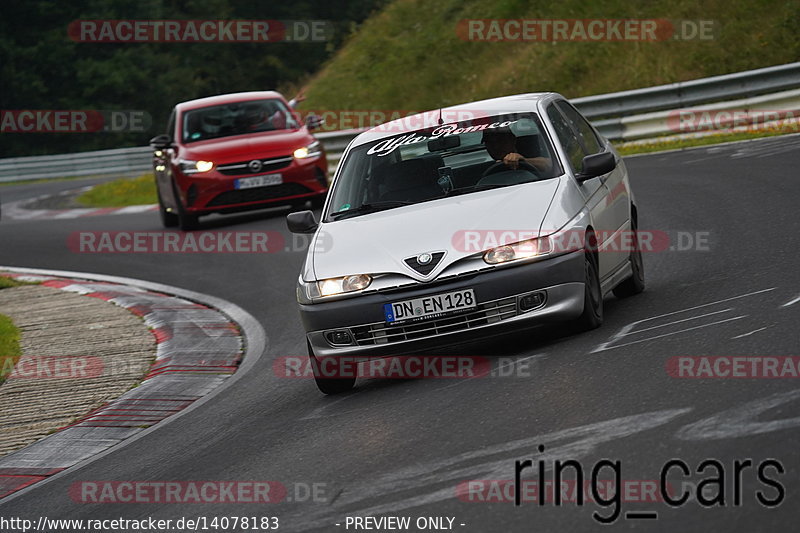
(237, 119)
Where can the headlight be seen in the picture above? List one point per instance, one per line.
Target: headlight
(308, 151)
(309, 292)
(194, 167)
(332, 286)
(518, 250)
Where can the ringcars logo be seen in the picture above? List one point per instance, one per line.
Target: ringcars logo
(199, 31)
(585, 30)
(397, 367)
(178, 492)
(73, 121)
(732, 120)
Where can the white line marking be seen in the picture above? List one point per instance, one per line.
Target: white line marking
(748, 334)
(710, 303)
(74, 213)
(435, 481)
(134, 209)
(678, 321)
(674, 332)
(791, 302)
(624, 331)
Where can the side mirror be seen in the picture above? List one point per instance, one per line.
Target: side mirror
(314, 121)
(596, 165)
(161, 142)
(302, 222)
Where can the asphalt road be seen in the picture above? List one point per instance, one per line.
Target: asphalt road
(400, 448)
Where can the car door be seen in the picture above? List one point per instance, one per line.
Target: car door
(593, 190)
(617, 202)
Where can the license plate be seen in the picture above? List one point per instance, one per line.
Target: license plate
(429, 306)
(258, 181)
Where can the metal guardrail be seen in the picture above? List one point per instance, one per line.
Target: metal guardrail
(690, 93)
(122, 162)
(619, 116)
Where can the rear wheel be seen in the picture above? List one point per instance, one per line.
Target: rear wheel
(592, 316)
(635, 283)
(329, 385)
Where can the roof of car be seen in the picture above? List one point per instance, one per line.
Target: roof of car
(517, 103)
(227, 99)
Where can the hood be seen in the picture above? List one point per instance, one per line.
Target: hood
(250, 146)
(379, 242)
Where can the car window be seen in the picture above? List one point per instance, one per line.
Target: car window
(586, 134)
(458, 158)
(237, 118)
(569, 140)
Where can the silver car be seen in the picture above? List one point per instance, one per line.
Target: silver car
(462, 223)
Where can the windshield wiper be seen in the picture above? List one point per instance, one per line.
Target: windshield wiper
(473, 188)
(363, 209)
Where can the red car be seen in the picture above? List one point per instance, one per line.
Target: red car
(236, 152)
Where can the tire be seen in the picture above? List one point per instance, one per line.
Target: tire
(168, 220)
(328, 385)
(635, 283)
(186, 221)
(592, 316)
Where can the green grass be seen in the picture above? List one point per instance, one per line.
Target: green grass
(121, 193)
(408, 56)
(9, 346)
(7, 283)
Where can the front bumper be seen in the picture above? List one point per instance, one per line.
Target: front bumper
(214, 192)
(497, 292)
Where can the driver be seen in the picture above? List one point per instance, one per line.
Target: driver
(501, 144)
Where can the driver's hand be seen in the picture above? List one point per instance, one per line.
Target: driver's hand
(512, 160)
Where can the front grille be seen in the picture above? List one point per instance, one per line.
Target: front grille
(242, 168)
(259, 194)
(486, 313)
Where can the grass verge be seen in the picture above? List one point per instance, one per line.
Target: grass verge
(121, 193)
(9, 334)
(9, 346)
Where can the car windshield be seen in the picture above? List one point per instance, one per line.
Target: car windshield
(237, 119)
(445, 160)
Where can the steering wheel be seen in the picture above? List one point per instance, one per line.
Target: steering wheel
(500, 166)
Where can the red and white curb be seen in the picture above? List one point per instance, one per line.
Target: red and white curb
(199, 348)
(18, 211)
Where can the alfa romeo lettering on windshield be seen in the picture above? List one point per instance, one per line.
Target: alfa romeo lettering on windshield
(387, 146)
(533, 161)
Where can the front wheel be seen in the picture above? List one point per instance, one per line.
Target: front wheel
(326, 384)
(168, 220)
(186, 221)
(592, 316)
(635, 283)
